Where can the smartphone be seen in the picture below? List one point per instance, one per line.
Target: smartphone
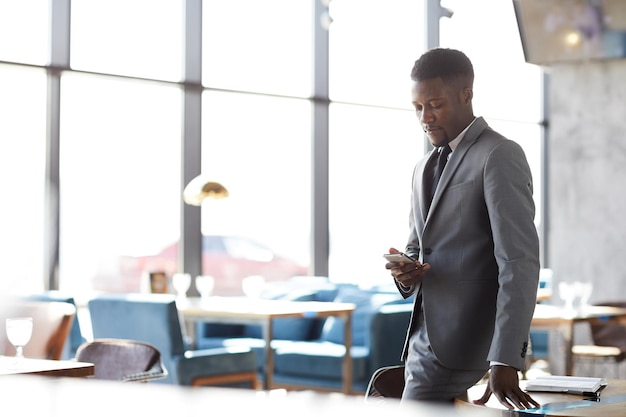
(398, 257)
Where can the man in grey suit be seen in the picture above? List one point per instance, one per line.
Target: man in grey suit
(475, 246)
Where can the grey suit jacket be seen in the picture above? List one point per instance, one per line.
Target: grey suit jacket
(481, 242)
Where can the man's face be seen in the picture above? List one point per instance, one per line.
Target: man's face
(443, 110)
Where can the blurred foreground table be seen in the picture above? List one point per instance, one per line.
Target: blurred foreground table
(47, 367)
(611, 403)
(79, 397)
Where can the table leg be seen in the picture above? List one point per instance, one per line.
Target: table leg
(347, 358)
(269, 355)
(567, 331)
(189, 333)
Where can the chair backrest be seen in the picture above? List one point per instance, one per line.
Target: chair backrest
(122, 360)
(149, 318)
(386, 382)
(610, 334)
(76, 337)
(52, 322)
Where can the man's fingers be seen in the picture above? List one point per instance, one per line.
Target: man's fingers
(483, 400)
(516, 399)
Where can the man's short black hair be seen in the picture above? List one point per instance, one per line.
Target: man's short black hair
(449, 64)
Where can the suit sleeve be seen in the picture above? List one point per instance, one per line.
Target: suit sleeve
(508, 192)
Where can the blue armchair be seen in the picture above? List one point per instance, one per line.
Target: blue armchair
(154, 319)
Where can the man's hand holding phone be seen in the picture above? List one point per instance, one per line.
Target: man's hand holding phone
(405, 270)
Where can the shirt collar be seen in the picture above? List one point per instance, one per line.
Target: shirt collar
(455, 142)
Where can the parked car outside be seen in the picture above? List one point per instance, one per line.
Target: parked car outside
(229, 259)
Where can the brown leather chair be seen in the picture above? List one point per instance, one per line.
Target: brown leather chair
(122, 360)
(386, 382)
(609, 345)
(52, 322)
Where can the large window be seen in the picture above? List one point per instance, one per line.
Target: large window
(139, 94)
(141, 38)
(260, 148)
(120, 180)
(258, 46)
(374, 137)
(22, 178)
(24, 31)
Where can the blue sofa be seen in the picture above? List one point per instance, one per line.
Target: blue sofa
(308, 352)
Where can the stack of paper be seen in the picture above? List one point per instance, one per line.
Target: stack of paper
(568, 384)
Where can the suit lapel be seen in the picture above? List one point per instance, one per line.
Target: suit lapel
(455, 160)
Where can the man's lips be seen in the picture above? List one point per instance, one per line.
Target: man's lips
(430, 129)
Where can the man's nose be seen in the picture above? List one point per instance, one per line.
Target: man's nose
(426, 116)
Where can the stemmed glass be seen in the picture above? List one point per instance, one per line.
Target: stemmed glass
(584, 291)
(253, 285)
(567, 292)
(204, 285)
(181, 283)
(19, 331)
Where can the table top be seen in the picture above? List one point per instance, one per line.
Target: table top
(549, 314)
(244, 307)
(47, 367)
(544, 294)
(611, 403)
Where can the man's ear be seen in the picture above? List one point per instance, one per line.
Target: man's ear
(467, 95)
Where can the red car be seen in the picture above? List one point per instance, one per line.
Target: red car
(229, 259)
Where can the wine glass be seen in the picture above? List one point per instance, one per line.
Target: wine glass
(204, 285)
(584, 290)
(181, 283)
(252, 286)
(567, 292)
(19, 331)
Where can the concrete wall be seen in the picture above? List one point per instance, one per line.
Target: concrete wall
(587, 176)
(587, 184)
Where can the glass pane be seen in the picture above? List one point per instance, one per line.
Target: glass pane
(264, 161)
(120, 180)
(373, 45)
(22, 178)
(372, 156)
(496, 52)
(141, 38)
(26, 21)
(261, 46)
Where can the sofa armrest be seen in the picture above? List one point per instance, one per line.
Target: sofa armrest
(387, 334)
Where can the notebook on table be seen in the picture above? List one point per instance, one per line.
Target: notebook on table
(567, 384)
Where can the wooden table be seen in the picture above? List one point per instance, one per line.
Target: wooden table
(45, 367)
(611, 403)
(544, 294)
(242, 310)
(548, 317)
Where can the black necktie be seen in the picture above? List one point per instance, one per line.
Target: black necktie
(442, 158)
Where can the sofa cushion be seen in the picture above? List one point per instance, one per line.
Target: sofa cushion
(319, 360)
(367, 302)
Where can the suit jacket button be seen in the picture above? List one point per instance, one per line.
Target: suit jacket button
(428, 251)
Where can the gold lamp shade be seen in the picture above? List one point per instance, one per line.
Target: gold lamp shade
(201, 188)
